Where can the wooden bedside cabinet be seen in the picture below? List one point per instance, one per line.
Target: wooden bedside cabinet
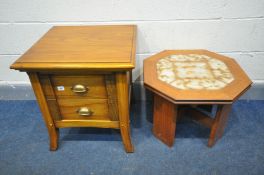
(81, 76)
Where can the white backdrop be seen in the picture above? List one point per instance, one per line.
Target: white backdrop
(231, 27)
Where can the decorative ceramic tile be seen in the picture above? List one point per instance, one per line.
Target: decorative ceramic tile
(194, 71)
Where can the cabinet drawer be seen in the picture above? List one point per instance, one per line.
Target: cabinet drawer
(70, 109)
(91, 86)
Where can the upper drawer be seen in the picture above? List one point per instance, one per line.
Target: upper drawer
(92, 86)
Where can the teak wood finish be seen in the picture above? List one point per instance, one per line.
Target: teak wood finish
(225, 95)
(97, 59)
(82, 48)
(170, 103)
(164, 121)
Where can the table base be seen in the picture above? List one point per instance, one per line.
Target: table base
(167, 113)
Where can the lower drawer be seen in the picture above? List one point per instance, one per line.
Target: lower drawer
(83, 109)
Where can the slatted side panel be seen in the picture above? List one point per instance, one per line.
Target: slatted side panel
(112, 96)
(50, 96)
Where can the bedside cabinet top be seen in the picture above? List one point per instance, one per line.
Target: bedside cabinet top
(82, 47)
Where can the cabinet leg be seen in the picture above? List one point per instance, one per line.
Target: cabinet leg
(219, 123)
(52, 130)
(164, 122)
(125, 134)
(54, 137)
(123, 109)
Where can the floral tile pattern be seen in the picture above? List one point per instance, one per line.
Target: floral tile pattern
(194, 71)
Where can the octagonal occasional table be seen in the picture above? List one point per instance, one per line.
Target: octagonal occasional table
(181, 78)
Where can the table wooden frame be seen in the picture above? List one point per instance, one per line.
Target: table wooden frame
(168, 100)
(166, 115)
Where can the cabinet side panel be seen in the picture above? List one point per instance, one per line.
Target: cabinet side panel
(112, 96)
(48, 90)
(53, 131)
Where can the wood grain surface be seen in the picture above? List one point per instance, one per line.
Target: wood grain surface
(110, 83)
(164, 120)
(69, 108)
(123, 109)
(219, 123)
(97, 59)
(82, 47)
(95, 85)
(229, 93)
(52, 130)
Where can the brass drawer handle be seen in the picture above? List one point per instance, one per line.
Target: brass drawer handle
(78, 88)
(84, 111)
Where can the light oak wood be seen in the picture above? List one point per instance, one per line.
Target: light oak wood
(49, 93)
(52, 130)
(47, 86)
(123, 109)
(88, 123)
(54, 109)
(69, 108)
(112, 96)
(66, 61)
(82, 47)
(95, 85)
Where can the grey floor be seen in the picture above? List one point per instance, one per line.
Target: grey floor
(24, 145)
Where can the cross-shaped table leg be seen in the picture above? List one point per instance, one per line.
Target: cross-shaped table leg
(219, 123)
(164, 122)
(166, 114)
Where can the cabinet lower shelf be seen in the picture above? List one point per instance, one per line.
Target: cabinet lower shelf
(87, 123)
